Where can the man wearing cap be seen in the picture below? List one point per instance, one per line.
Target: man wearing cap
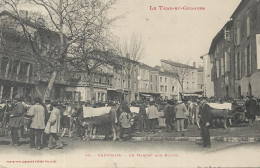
(16, 119)
(37, 112)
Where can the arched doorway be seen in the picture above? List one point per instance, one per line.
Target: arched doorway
(249, 90)
(239, 91)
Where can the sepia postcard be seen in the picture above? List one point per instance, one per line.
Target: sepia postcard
(129, 83)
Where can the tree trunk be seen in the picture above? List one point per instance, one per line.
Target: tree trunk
(129, 90)
(91, 87)
(181, 92)
(47, 94)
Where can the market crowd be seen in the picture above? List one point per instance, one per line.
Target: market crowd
(45, 120)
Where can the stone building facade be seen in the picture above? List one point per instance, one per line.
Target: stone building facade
(235, 53)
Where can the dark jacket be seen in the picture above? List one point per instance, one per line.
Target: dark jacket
(169, 114)
(251, 106)
(16, 116)
(204, 113)
(142, 110)
(46, 111)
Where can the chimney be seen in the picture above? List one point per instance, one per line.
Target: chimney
(194, 64)
(24, 14)
(41, 21)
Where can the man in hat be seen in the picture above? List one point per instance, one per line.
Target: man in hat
(125, 123)
(16, 119)
(53, 127)
(251, 108)
(205, 117)
(153, 115)
(37, 112)
(169, 115)
(143, 117)
(180, 111)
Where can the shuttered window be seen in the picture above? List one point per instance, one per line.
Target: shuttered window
(245, 63)
(248, 26)
(238, 34)
(249, 55)
(222, 66)
(217, 68)
(258, 50)
(227, 62)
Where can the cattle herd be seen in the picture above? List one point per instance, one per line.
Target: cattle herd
(84, 120)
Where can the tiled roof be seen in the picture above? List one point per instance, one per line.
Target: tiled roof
(142, 65)
(164, 72)
(238, 9)
(27, 22)
(176, 64)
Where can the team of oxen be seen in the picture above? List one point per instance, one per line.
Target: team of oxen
(106, 119)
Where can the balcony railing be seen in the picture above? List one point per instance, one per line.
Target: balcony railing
(17, 77)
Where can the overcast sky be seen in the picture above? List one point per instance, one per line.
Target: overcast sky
(182, 35)
(177, 35)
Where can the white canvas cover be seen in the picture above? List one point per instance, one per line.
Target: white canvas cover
(223, 106)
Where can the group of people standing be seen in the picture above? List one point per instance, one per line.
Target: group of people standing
(42, 121)
(177, 116)
(175, 113)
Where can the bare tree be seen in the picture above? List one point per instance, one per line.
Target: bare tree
(80, 26)
(181, 72)
(130, 52)
(92, 63)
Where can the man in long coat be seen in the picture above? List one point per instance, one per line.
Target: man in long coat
(180, 111)
(251, 108)
(205, 117)
(16, 119)
(53, 127)
(37, 112)
(153, 115)
(169, 115)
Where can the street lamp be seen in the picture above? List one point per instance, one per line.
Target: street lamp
(139, 78)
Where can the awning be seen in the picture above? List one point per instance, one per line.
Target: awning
(191, 94)
(146, 95)
(111, 89)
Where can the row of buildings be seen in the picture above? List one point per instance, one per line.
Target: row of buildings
(234, 54)
(20, 72)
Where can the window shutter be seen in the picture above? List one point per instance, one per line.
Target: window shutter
(248, 26)
(227, 62)
(240, 65)
(236, 74)
(249, 60)
(258, 50)
(222, 66)
(217, 68)
(245, 51)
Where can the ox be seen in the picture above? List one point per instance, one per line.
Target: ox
(105, 120)
(221, 111)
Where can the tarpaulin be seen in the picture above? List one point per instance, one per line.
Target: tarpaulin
(136, 109)
(224, 106)
(92, 112)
